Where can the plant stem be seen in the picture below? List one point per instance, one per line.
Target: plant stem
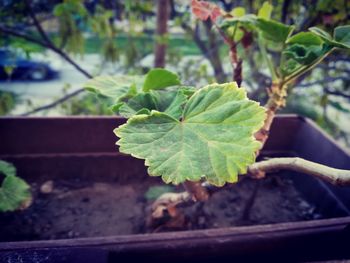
(305, 69)
(198, 192)
(266, 58)
(326, 173)
(250, 202)
(277, 95)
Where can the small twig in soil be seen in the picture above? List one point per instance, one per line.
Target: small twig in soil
(250, 202)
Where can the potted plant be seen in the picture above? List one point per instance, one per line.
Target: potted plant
(198, 137)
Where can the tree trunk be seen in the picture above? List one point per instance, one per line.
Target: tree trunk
(160, 46)
(214, 56)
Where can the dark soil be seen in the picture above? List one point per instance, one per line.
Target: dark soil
(102, 209)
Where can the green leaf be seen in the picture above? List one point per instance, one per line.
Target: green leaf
(14, 191)
(159, 79)
(265, 11)
(273, 30)
(171, 102)
(321, 33)
(213, 141)
(136, 104)
(342, 35)
(247, 21)
(115, 87)
(238, 11)
(7, 169)
(306, 39)
(303, 54)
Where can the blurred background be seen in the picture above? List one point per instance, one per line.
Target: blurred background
(48, 49)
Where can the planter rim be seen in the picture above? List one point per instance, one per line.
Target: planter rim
(92, 117)
(223, 234)
(218, 235)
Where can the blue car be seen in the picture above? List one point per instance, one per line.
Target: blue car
(14, 65)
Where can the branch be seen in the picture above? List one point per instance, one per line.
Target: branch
(37, 24)
(46, 45)
(55, 103)
(332, 175)
(45, 42)
(336, 93)
(14, 33)
(285, 8)
(323, 81)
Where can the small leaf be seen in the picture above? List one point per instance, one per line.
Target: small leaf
(204, 10)
(136, 104)
(248, 21)
(7, 169)
(171, 102)
(238, 11)
(116, 107)
(265, 11)
(159, 79)
(214, 140)
(306, 39)
(273, 30)
(303, 54)
(342, 35)
(321, 33)
(14, 191)
(115, 87)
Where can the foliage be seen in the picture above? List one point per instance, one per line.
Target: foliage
(14, 191)
(7, 102)
(70, 13)
(205, 133)
(88, 104)
(189, 134)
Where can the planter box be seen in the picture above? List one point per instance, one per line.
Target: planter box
(48, 148)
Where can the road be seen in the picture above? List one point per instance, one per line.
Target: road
(42, 92)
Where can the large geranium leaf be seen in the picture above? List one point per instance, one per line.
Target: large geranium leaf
(212, 141)
(159, 78)
(14, 191)
(114, 87)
